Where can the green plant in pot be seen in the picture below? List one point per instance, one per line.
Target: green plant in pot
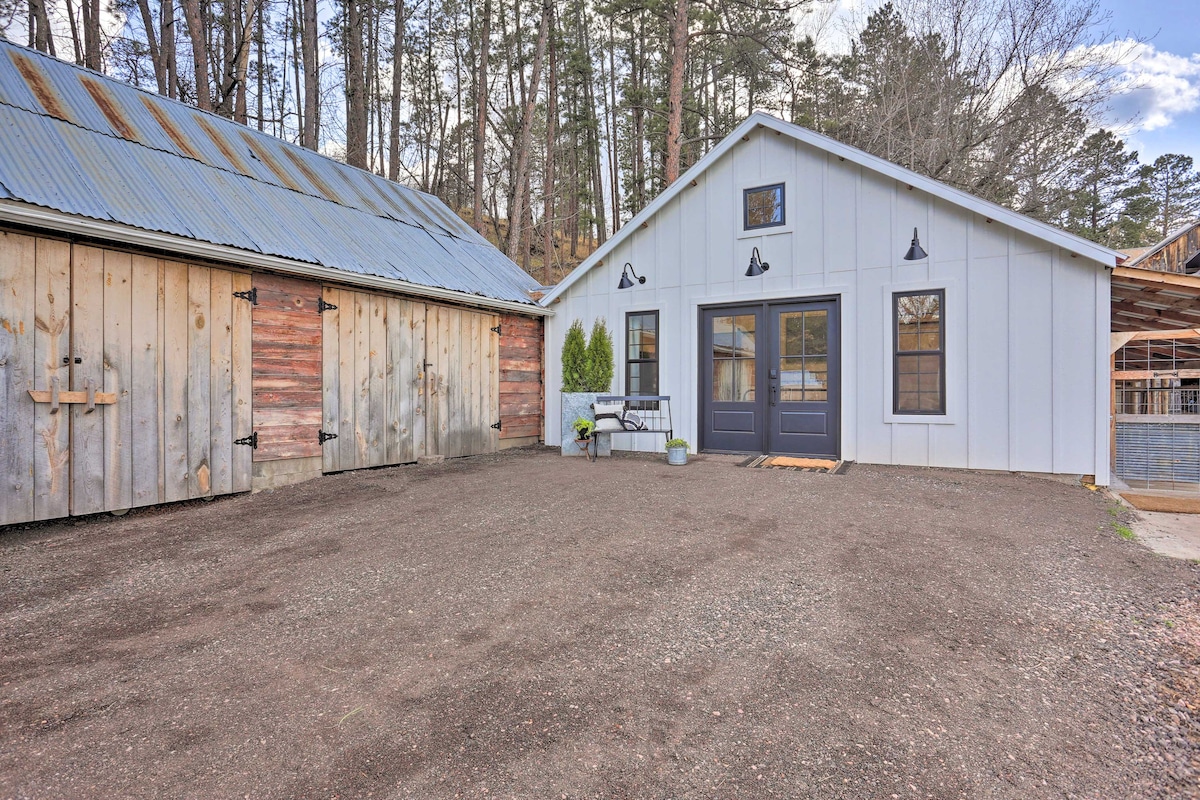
(677, 451)
(584, 428)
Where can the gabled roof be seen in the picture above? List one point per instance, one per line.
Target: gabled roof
(118, 162)
(758, 119)
(1178, 252)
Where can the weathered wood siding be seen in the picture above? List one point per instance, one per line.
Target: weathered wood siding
(463, 382)
(374, 349)
(1174, 255)
(520, 377)
(403, 379)
(287, 351)
(166, 338)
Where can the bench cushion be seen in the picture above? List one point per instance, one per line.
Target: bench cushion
(608, 417)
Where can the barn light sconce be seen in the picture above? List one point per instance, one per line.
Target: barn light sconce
(757, 266)
(915, 251)
(625, 273)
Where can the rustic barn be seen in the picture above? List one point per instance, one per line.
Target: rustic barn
(192, 308)
(797, 296)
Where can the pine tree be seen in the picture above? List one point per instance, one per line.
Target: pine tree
(599, 367)
(1174, 187)
(1106, 186)
(574, 359)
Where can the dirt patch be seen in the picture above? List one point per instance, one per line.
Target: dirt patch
(524, 625)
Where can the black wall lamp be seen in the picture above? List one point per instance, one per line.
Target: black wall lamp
(625, 273)
(915, 252)
(757, 266)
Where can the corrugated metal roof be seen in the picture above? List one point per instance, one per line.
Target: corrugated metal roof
(84, 144)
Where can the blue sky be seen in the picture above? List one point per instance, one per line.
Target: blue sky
(1159, 111)
(1168, 103)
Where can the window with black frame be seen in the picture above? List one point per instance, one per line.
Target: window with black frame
(641, 356)
(919, 352)
(763, 207)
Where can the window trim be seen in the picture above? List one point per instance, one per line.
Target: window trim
(940, 352)
(657, 360)
(746, 192)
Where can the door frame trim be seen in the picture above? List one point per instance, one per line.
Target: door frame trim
(765, 303)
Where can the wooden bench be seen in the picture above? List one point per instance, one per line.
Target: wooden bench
(653, 410)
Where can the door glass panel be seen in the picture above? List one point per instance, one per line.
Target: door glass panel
(744, 343)
(816, 333)
(803, 347)
(722, 337)
(734, 368)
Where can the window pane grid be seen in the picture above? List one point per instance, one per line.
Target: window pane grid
(919, 357)
(763, 207)
(641, 356)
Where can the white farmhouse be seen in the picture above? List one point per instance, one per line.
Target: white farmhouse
(804, 297)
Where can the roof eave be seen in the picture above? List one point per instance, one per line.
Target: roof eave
(24, 214)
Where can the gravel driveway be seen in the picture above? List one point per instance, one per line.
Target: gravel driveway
(524, 625)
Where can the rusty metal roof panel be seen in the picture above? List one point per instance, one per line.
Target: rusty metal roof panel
(81, 143)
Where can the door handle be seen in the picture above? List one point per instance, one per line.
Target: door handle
(774, 392)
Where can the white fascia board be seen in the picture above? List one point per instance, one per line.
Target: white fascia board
(49, 219)
(1038, 230)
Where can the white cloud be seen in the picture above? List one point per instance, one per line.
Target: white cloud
(1154, 87)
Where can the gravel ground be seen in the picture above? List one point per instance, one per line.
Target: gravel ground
(524, 625)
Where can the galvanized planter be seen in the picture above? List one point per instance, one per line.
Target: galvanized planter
(677, 456)
(575, 405)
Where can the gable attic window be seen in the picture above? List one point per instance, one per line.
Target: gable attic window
(763, 207)
(919, 369)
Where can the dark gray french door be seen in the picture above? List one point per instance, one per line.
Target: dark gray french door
(770, 378)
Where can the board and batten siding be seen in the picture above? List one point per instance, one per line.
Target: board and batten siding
(1026, 322)
(167, 340)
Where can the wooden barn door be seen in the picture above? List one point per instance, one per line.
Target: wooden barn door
(373, 366)
(403, 379)
(463, 383)
(149, 361)
(287, 368)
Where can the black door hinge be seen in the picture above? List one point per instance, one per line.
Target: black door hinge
(323, 437)
(250, 441)
(496, 425)
(322, 306)
(495, 330)
(249, 294)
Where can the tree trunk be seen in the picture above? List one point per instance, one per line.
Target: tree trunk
(195, 25)
(481, 98)
(160, 71)
(166, 38)
(75, 41)
(397, 92)
(679, 46)
(521, 173)
(91, 34)
(356, 101)
(42, 36)
(548, 182)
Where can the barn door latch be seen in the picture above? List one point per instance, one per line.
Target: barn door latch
(249, 294)
(323, 437)
(495, 330)
(250, 441)
(322, 307)
(496, 425)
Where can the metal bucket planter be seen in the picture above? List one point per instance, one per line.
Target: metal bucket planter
(677, 456)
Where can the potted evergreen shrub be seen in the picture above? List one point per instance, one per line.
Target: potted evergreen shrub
(677, 452)
(587, 371)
